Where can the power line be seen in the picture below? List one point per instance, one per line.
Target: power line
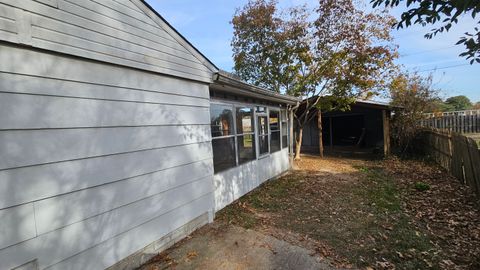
(427, 51)
(443, 67)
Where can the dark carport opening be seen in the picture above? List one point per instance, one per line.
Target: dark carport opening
(345, 130)
(361, 129)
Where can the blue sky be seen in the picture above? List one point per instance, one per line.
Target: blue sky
(206, 25)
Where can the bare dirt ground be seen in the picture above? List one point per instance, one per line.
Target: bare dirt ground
(341, 213)
(222, 246)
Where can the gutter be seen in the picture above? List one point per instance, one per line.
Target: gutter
(229, 84)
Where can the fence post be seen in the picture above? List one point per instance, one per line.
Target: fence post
(474, 158)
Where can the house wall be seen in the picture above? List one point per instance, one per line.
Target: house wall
(96, 159)
(105, 144)
(123, 32)
(237, 181)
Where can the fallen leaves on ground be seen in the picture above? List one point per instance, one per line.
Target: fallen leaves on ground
(448, 210)
(368, 214)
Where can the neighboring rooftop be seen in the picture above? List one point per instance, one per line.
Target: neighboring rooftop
(368, 103)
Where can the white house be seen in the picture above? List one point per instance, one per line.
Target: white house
(118, 137)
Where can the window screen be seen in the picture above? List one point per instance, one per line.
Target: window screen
(223, 138)
(245, 134)
(274, 131)
(284, 126)
(262, 123)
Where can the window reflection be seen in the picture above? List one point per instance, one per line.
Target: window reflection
(221, 120)
(244, 120)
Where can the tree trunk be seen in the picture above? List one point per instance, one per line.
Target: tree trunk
(298, 143)
(320, 132)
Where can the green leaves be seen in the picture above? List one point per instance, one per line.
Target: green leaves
(416, 96)
(425, 12)
(335, 51)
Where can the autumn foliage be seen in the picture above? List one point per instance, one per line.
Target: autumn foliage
(415, 96)
(335, 49)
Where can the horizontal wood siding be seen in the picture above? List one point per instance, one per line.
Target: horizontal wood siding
(94, 73)
(21, 149)
(112, 250)
(21, 219)
(110, 31)
(94, 154)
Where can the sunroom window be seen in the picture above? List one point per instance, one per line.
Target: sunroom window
(223, 137)
(284, 126)
(262, 123)
(245, 134)
(274, 131)
(234, 128)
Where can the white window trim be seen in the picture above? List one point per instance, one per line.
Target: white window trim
(255, 133)
(278, 110)
(281, 129)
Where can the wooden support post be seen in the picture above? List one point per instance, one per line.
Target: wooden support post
(386, 132)
(290, 137)
(320, 132)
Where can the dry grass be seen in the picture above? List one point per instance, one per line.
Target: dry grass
(365, 214)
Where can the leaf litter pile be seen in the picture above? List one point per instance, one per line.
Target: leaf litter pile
(380, 214)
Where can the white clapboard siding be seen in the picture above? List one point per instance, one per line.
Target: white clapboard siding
(130, 5)
(112, 9)
(107, 16)
(8, 20)
(52, 3)
(16, 224)
(106, 31)
(121, 32)
(57, 212)
(8, 23)
(79, 237)
(104, 132)
(111, 251)
(16, 83)
(21, 148)
(33, 183)
(115, 40)
(34, 111)
(27, 62)
(110, 50)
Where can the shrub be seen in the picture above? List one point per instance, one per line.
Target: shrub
(421, 186)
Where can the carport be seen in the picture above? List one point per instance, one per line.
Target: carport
(364, 127)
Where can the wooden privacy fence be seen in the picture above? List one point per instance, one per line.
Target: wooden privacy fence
(456, 153)
(456, 123)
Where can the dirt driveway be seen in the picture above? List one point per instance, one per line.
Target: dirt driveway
(341, 213)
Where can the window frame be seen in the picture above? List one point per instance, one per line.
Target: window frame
(237, 104)
(225, 136)
(257, 131)
(284, 111)
(237, 135)
(277, 110)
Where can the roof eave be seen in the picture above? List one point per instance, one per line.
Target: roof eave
(227, 84)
